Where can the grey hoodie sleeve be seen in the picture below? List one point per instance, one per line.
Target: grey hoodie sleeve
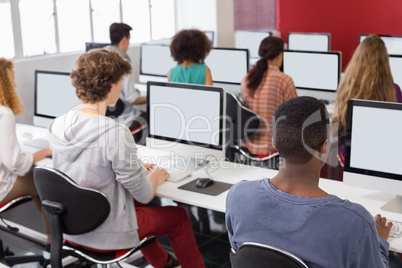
(129, 169)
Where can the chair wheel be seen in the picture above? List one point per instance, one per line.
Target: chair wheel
(8, 252)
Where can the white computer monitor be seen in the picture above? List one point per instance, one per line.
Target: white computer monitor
(228, 67)
(373, 148)
(155, 62)
(393, 43)
(395, 62)
(315, 74)
(250, 40)
(309, 41)
(54, 96)
(186, 119)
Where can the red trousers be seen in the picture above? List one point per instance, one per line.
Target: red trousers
(174, 222)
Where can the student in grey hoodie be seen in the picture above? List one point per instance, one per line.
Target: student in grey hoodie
(97, 152)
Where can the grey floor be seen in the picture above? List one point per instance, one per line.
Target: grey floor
(209, 230)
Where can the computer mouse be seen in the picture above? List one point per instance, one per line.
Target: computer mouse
(203, 182)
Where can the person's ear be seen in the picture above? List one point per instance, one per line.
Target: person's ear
(323, 148)
(273, 144)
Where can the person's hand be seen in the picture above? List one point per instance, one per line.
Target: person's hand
(383, 228)
(48, 152)
(42, 154)
(158, 175)
(149, 166)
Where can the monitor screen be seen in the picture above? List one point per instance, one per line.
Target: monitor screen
(227, 65)
(250, 40)
(156, 60)
(309, 41)
(393, 43)
(54, 95)
(313, 70)
(89, 45)
(372, 151)
(395, 62)
(186, 114)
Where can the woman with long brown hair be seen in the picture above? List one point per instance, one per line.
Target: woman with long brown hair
(16, 179)
(263, 89)
(367, 76)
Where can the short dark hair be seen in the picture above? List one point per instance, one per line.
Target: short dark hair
(300, 127)
(95, 73)
(190, 45)
(117, 31)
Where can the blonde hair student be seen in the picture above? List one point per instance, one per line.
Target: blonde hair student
(16, 179)
(367, 76)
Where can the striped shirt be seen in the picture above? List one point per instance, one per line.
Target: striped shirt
(276, 88)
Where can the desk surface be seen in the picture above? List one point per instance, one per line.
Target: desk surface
(232, 173)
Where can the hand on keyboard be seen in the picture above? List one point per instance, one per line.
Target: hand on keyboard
(384, 228)
(157, 175)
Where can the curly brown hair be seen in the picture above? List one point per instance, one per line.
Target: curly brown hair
(191, 45)
(96, 72)
(8, 95)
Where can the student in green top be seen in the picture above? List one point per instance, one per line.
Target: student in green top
(189, 48)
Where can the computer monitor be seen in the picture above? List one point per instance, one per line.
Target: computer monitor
(315, 74)
(393, 43)
(91, 45)
(309, 41)
(373, 148)
(186, 119)
(54, 96)
(228, 67)
(155, 62)
(210, 35)
(250, 40)
(395, 62)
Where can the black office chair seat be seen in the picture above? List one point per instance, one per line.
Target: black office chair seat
(103, 256)
(258, 255)
(75, 210)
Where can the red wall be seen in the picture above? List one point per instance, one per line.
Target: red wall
(344, 19)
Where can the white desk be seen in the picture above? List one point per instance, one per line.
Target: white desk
(232, 173)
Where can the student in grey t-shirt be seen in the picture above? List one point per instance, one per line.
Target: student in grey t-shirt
(292, 213)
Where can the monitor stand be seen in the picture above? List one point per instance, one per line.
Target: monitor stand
(394, 205)
(188, 164)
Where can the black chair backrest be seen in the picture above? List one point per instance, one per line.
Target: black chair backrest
(242, 121)
(116, 110)
(85, 209)
(262, 256)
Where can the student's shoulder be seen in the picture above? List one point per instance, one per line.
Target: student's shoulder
(349, 209)
(6, 111)
(7, 115)
(244, 187)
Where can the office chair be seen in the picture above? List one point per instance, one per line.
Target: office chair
(7, 256)
(138, 130)
(263, 256)
(75, 210)
(116, 110)
(243, 123)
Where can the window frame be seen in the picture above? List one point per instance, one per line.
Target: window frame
(17, 31)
